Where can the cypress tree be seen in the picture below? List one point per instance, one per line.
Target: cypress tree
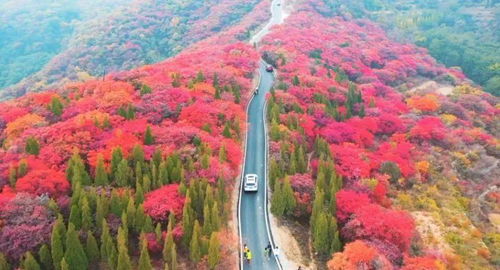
(12, 176)
(22, 168)
(277, 203)
(64, 265)
(215, 217)
(101, 210)
(116, 204)
(317, 208)
(148, 225)
(138, 154)
(171, 220)
(140, 218)
(45, 257)
(138, 173)
(56, 244)
(158, 232)
(86, 214)
(207, 220)
(321, 242)
(30, 262)
(76, 170)
(195, 245)
(4, 264)
(75, 254)
(163, 173)
(122, 175)
(139, 193)
(105, 239)
(173, 265)
(288, 197)
(217, 93)
(213, 251)
(222, 154)
(227, 130)
(187, 220)
(116, 158)
(146, 183)
(144, 259)
(168, 245)
(32, 146)
(131, 213)
(148, 136)
(301, 160)
(75, 216)
(200, 77)
(101, 176)
(295, 80)
(91, 248)
(123, 259)
(56, 106)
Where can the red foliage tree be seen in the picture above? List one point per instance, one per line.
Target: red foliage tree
(41, 182)
(161, 202)
(348, 202)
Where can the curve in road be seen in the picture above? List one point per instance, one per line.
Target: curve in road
(252, 209)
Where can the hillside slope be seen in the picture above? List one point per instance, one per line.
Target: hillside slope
(144, 32)
(378, 150)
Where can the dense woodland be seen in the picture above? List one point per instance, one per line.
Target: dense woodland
(144, 32)
(461, 34)
(367, 160)
(383, 157)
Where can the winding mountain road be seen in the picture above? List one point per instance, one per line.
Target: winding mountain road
(252, 209)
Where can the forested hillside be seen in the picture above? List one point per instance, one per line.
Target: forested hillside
(388, 158)
(33, 32)
(144, 32)
(461, 34)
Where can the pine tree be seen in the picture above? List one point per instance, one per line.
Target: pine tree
(200, 77)
(64, 265)
(187, 220)
(101, 176)
(217, 93)
(91, 248)
(158, 232)
(116, 158)
(12, 176)
(75, 254)
(45, 257)
(163, 173)
(148, 225)
(4, 264)
(168, 245)
(213, 251)
(138, 173)
(76, 171)
(75, 216)
(105, 239)
(101, 210)
(227, 130)
(295, 80)
(30, 262)
(195, 245)
(144, 259)
(56, 106)
(173, 264)
(317, 208)
(207, 220)
(32, 146)
(140, 218)
(123, 259)
(288, 197)
(56, 243)
(301, 160)
(86, 219)
(122, 175)
(321, 242)
(131, 213)
(215, 217)
(148, 136)
(277, 202)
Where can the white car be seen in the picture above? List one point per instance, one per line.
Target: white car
(251, 182)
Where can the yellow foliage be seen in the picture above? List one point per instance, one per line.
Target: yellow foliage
(18, 126)
(466, 89)
(448, 118)
(423, 166)
(427, 103)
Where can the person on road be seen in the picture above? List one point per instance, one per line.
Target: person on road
(268, 250)
(245, 251)
(276, 252)
(249, 256)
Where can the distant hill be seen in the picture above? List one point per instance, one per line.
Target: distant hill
(118, 38)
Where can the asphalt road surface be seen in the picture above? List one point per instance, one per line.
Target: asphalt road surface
(252, 212)
(254, 229)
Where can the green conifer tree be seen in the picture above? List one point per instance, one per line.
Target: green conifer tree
(56, 244)
(195, 245)
(116, 158)
(75, 216)
(101, 176)
(75, 254)
(148, 136)
(277, 202)
(169, 244)
(87, 220)
(140, 218)
(295, 80)
(4, 264)
(148, 225)
(29, 262)
(124, 262)
(122, 175)
(64, 265)
(131, 209)
(32, 146)
(56, 107)
(144, 259)
(91, 248)
(288, 197)
(45, 257)
(213, 251)
(321, 242)
(187, 220)
(227, 130)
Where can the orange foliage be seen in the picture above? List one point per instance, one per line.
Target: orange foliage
(204, 87)
(19, 125)
(422, 263)
(427, 103)
(423, 167)
(114, 93)
(358, 255)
